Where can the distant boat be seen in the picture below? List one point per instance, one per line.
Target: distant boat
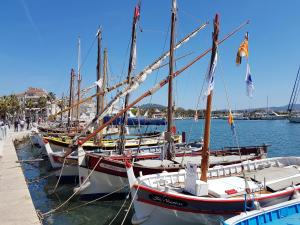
(236, 116)
(294, 119)
(293, 116)
(178, 118)
(282, 213)
(273, 116)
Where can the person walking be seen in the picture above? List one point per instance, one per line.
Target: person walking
(22, 124)
(1, 130)
(16, 125)
(28, 123)
(5, 129)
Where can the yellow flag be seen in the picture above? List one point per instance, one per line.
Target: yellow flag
(242, 51)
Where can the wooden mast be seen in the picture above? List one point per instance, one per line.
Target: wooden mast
(205, 150)
(155, 88)
(98, 77)
(62, 106)
(131, 66)
(78, 81)
(104, 80)
(170, 87)
(109, 89)
(99, 37)
(103, 88)
(70, 112)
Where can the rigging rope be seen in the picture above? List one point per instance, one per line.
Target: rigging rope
(88, 53)
(247, 189)
(229, 108)
(157, 72)
(193, 124)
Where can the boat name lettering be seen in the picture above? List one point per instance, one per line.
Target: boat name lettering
(110, 167)
(166, 200)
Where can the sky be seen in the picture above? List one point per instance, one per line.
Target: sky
(38, 46)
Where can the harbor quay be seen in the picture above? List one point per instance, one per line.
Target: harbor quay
(16, 206)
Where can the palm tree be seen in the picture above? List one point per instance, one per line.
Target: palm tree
(13, 105)
(42, 103)
(29, 104)
(3, 107)
(51, 96)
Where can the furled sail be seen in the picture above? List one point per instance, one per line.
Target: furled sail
(138, 80)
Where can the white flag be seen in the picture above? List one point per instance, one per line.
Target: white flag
(99, 83)
(249, 82)
(174, 7)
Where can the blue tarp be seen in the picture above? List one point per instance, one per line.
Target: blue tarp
(135, 121)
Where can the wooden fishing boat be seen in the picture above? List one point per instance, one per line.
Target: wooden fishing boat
(109, 172)
(59, 144)
(169, 197)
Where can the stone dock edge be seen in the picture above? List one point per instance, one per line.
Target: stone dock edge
(16, 206)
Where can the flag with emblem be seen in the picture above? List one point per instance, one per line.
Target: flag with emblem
(249, 82)
(242, 51)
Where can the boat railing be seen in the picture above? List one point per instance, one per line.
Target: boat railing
(220, 171)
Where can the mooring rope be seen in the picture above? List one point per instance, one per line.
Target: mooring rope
(60, 174)
(119, 209)
(39, 178)
(132, 200)
(92, 201)
(79, 189)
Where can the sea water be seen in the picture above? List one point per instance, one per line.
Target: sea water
(284, 138)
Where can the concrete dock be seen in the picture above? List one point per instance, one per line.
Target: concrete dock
(16, 206)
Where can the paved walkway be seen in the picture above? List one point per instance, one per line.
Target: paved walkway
(16, 207)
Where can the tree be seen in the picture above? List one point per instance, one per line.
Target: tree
(29, 104)
(42, 103)
(3, 107)
(51, 96)
(13, 105)
(9, 106)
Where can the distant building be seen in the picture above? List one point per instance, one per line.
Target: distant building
(158, 114)
(33, 108)
(87, 111)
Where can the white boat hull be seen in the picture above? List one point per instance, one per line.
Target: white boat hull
(294, 119)
(37, 139)
(170, 217)
(101, 183)
(69, 173)
(158, 202)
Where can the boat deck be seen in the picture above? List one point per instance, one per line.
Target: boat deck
(228, 181)
(215, 160)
